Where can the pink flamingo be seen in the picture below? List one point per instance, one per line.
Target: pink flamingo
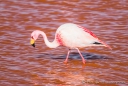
(72, 36)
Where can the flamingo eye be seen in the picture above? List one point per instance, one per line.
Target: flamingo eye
(32, 37)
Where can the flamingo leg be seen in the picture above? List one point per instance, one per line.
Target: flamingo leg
(83, 60)
(66, 60)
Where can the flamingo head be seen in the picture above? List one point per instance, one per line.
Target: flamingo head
(32, 42)
(34, 36)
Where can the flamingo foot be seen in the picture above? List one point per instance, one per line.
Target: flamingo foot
(83, 61)
(65, 62)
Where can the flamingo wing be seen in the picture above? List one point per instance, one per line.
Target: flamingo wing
(92, 34)
(74, 36)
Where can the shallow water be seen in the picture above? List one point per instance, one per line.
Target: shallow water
(23, 65)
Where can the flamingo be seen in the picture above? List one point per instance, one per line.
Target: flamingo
(72, 36)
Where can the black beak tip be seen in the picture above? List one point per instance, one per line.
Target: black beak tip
(33, 45)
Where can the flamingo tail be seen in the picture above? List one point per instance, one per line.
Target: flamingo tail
(105, 44)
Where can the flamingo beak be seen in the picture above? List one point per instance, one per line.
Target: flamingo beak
(32, 42)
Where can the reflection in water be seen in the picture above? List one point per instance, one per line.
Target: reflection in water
(21, 64)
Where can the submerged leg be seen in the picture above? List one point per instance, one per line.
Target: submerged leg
(66, 60)
(83, 60)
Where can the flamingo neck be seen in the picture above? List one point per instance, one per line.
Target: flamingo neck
(53, 44)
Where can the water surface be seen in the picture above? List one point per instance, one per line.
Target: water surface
(23, 65)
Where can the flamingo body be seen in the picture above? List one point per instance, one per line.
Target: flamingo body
(72, 36)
